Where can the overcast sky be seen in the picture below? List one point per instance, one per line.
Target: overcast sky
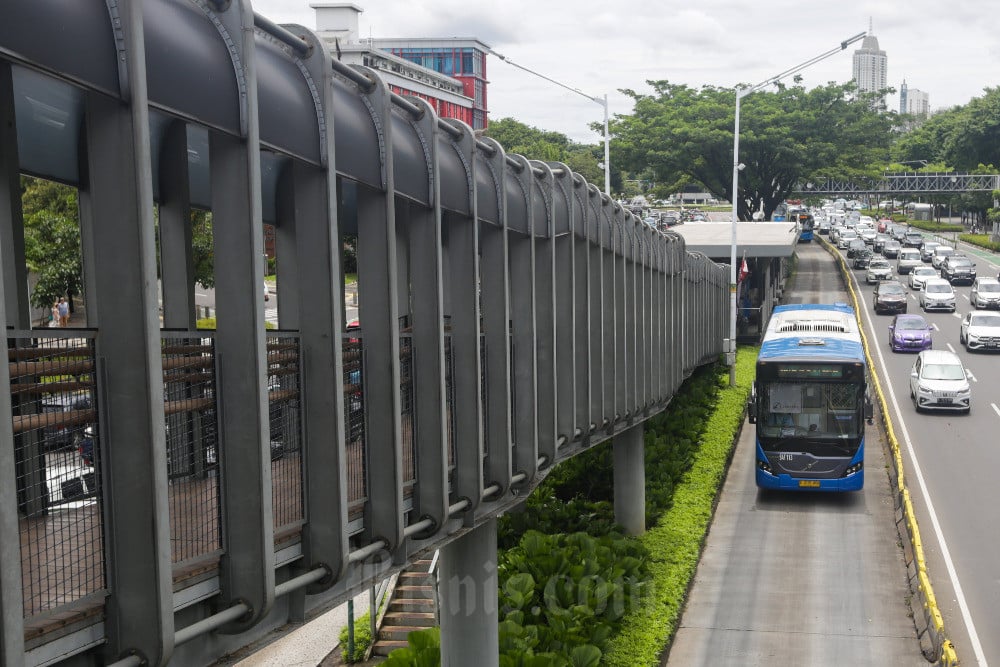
(951, 49)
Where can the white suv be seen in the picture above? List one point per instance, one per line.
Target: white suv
(985, 293)
(938, 380)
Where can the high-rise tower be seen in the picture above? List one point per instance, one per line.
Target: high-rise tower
(870, 65)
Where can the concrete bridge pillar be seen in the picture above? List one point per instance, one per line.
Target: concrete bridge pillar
(630, 480)
(467, 599)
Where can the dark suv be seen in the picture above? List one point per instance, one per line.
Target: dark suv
(958, 269)
(913, 240)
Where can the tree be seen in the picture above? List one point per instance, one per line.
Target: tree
(684, 135)
(536, 144)
(51, 239)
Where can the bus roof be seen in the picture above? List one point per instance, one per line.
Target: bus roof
(812, 332)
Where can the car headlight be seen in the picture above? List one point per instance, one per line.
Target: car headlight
(924, 389)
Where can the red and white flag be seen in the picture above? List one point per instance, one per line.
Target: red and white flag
(744, 270)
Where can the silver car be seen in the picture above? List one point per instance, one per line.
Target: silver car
(909, 259)
(939, 254)
(985, 293)
(927, 249)
(937, 295)
(938, 380)
(878, 269)
(980, 330)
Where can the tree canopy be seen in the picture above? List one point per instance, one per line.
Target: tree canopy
(536, 144)
(682, 135)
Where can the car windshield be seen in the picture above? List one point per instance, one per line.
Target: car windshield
(926, 271)
(911, 324)
(943, 372)
(985, 320)
(891, 289)
(938, 289)
(879, 264)
(961, 261)
(989, 287)
(943, 252)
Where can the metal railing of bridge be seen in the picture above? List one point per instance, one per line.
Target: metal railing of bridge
(181, 492)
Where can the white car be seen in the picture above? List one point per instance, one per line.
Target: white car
(878, 269)
(985, 293)
(980, 330)
(937, 295)
(921, 273)
(927, 250)
(939, 253)
(938, 380)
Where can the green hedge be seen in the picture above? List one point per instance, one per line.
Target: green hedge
(675, 542)
(981, 240)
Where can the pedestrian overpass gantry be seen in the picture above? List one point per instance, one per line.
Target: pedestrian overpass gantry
(241, 478)
(905, 183)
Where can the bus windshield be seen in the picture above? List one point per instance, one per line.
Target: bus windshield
(827, 415)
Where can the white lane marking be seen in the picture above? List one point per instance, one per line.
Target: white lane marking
(969, 375)
(965, 296)
(970, 627)
(950, 347)
(995, 409)
(956, 314)
(936, 327)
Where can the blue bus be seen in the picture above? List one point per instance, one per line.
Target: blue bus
(810, 400)
(806, 225)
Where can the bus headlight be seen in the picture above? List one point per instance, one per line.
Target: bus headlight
(856, 468)
(763, 465)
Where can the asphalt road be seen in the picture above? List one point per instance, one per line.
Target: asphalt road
(800, 578)
(951, 463)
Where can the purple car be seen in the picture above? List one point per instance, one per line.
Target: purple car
(909, 333)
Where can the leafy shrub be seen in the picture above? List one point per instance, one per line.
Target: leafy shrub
(561, 593)
(423, 650)
(362, 638)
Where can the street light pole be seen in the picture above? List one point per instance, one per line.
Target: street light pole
(742, 92)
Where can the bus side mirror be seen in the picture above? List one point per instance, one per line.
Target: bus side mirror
(752, 406)
(869, 410)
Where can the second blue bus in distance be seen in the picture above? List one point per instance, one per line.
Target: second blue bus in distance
(810, 400)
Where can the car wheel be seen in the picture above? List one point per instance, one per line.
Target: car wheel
(904, 309)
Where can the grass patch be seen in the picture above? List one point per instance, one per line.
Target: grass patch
(676, 540)
(209, 323)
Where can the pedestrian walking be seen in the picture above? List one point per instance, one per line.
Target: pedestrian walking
(63, 312)
(54, 315)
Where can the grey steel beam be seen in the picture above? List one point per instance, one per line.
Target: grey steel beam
(378, 279)
(496, 309)
(426, 270)
(596, 233)
(176, 259)
(581, 306)
(311, 194)
(463, 285)
(15, 276)
(565, 301)
(247, 567)
(546, 397)
(247, 564)
(11, 598)
(521, 258)
(308, 256)
(611, 316)
(116, 205)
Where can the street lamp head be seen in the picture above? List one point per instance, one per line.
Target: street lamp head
(741, 166)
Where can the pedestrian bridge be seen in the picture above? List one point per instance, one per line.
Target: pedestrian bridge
(179, 492)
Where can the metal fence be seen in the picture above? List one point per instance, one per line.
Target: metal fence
(61, 530)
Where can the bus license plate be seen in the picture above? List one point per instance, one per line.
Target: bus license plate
(809, 483)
